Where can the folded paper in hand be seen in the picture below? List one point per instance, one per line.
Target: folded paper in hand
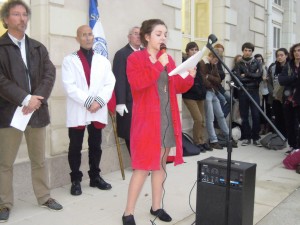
(20, 120)
(190, 63)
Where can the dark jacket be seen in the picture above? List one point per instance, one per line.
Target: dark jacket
(275, 89)
(198, 90)
(123, 91)
(14, 83)
(222, 76)
(253, 73)
(210, 75)
(290, 79)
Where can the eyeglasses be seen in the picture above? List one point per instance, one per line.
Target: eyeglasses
(135, 34)
(19, 14)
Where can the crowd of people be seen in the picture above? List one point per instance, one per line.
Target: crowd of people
(148, 116)
(273, 88)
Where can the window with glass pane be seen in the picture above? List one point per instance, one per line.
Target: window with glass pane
(2, 30)
(278, 2)
(186, 18)
(202, 19)
(276, 39)
(195, 21)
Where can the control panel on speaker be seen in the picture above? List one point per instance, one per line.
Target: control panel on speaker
(216, 175)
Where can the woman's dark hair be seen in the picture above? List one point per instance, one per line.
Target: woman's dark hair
(147, 27)
(6, 7)
(292, 49)
(259, 56)
(279, 67)
(191, 45)
(285, 51)
(248, 45)
(235, 59)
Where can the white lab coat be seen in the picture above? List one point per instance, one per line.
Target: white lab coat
(102, 82)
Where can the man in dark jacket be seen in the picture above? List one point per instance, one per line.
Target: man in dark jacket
(26, 80)
(249, 72)
(122, 88)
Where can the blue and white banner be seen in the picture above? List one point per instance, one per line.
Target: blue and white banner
(100, 45)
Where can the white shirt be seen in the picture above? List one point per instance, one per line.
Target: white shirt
(23, 54)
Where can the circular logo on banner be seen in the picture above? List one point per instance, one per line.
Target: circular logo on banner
(100, 46)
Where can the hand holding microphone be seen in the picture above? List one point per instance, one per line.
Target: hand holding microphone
(163, 59)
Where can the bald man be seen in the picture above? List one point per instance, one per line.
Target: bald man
(89, 82)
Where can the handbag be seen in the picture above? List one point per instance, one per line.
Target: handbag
(189, 148)
(292, 161)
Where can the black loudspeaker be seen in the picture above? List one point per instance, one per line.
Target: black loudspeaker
(211, 192)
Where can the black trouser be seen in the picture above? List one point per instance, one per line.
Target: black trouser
(292, 116)
(279, 121)
(75, 147)
(249, 132)
(127, 142)
(266, 107)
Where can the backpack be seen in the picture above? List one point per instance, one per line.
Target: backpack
(189, 148)
(273, 141)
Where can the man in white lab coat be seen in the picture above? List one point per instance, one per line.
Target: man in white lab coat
(89, 82)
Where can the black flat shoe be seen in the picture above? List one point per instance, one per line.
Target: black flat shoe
(207, 147)
(76, 188)
(161, 214)
(100, 183)
(128, 220)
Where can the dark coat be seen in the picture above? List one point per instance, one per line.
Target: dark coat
(13, 79)
(198, 90)
(253, 73)
(210, 75)
(145, 137)
(289, 78)
(122, 91)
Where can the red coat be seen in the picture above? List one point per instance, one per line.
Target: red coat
(145, 142)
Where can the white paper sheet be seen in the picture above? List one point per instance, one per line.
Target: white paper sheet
(190, 63)
(20, 120)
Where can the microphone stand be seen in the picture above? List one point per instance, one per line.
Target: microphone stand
(211, 40)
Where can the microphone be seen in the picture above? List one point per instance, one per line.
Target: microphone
(163, 48)
(211, 40)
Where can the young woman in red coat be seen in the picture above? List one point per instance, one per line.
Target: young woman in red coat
(155, 125)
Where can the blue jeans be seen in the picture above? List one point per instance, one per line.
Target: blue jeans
(224, 102)
(213, 108)
(246, 104)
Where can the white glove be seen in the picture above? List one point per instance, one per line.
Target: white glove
(121, 108)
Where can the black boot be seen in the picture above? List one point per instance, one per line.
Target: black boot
(76, 188)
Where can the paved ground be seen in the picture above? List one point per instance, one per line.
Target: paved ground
(276, 195)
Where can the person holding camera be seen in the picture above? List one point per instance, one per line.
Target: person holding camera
(289, 78)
